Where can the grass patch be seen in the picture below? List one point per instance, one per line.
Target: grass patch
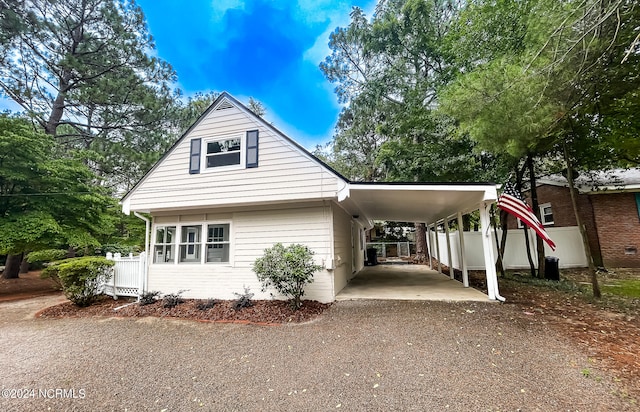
(562, 285)
(629, 288)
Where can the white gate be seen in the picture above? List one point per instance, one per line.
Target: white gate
(128, 275)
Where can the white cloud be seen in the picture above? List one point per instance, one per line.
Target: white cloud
(220, 7)
(336, 12)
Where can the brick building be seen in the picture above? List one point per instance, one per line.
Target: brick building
(609, 207)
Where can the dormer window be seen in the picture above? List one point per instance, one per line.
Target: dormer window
(223, 152)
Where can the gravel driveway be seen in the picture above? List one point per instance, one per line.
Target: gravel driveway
(361, 355)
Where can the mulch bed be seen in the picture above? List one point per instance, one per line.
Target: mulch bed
(262, 312)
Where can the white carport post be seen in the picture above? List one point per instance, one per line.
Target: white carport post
(463, 262)
(450, 261)
(489, 258)
(429, 250)
(435, 230)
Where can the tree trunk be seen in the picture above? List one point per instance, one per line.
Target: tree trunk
(504, 216)
(527, 244)
(422, 249)
(24, 265)
(583, 231)
(12, 267)
(466, 223)
(57, 109)
(499, 260)
(536, 210)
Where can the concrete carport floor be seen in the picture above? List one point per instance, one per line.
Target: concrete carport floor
(407, 282)
(432, 203)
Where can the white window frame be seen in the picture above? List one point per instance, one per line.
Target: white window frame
(226, 242)
(177, 241)
(541, 207)
(188, 244)
(542, 215)
(165, 245)
(243, 153)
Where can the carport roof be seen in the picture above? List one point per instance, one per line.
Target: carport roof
(414, 202)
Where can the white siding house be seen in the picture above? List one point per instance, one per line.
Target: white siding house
(233, 185)
(230, 187)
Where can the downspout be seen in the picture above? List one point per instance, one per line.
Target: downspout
(147, 225)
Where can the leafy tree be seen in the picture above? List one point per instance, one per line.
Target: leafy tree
(558, 93)
(256, 107)
(45, 199)
(389, 70)
(287, 269)
(82, 71)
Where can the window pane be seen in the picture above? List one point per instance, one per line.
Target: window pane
(190, 253)
(547, 214)
(218, 233)
(218, 253)
(190, 234)
(163, 254)
(160, 235)
(223, 159)
(213, 147)
(171, 234)
(224, 146)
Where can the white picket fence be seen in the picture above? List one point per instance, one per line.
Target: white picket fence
(128, 275)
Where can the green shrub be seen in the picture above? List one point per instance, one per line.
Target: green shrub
(114, 248)
(287, 269)
(47, 255)
(81, 278)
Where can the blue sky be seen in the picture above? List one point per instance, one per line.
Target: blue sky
(269, 50)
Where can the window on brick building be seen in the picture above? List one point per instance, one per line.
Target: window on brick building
(546, 215)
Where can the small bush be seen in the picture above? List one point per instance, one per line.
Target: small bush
(171, 300)
(149, 298)
(47, 255)
(114, 248)
(81, 278)
(244, 299)
(206, 304)
(287, 269)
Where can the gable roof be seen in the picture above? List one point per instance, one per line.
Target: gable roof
(222, 101)
(415, 201)
(611, 181)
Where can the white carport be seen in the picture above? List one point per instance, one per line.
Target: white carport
(431, 203)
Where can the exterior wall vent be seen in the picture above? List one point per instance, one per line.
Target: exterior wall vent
(225, 104)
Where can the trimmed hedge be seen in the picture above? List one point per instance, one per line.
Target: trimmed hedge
(81, 277)
(47, 255)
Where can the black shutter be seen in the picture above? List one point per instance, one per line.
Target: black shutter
(252, 148)
(194, 158)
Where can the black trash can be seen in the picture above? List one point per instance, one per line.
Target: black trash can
(372, 257)
(551, 269)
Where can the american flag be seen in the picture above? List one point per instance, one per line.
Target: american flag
(511, 201)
